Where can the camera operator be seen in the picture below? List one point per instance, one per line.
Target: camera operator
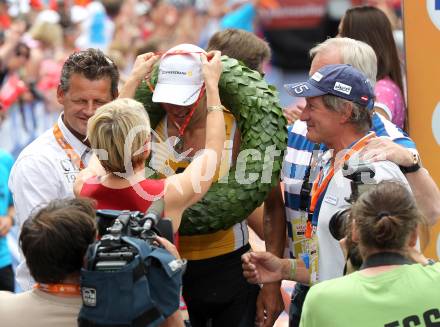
(398, 292)
(54, 242)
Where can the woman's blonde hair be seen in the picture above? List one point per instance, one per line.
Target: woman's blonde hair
(121, 129)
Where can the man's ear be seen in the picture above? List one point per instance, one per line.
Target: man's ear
(346, 112)
(60, 95)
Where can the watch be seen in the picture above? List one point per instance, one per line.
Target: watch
(415, 165)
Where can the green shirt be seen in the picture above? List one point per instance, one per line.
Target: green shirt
(406, 296)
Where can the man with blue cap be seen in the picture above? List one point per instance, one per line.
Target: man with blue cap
(339, 103)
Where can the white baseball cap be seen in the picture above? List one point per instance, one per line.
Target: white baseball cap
(180, 78)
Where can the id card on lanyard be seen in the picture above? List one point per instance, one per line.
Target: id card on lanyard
(319, 189)
(303, 247)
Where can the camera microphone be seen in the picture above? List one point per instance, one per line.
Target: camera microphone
(153, 214)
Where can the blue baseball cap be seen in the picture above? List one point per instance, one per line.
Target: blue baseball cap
(343, 81)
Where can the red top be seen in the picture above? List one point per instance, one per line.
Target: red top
(134, 198)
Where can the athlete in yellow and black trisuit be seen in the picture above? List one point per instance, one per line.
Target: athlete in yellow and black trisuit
(213, 282)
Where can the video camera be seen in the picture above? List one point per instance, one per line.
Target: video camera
(112, 254)
(128, 279)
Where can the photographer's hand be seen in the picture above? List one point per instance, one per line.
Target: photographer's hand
(167, 245)
(416, 256)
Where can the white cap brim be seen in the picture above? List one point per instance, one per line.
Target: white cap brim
(181, 95)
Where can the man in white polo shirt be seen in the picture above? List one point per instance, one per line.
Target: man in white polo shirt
(46, 169)
(338, 113)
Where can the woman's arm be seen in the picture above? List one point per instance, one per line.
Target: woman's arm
(142, 69)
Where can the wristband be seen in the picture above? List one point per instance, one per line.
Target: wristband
(218, 107)
(292, 272)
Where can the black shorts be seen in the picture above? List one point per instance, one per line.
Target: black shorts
(217, 294)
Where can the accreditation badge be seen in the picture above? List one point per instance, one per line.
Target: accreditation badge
(306, 248)
(313, 252)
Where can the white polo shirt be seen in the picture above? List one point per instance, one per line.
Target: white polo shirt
(43, 172)
(331, 259)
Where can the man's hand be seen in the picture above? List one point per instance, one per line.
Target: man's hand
(269, 305)
(293, 112)
(6, 223)
(262, 267)
(383, 148)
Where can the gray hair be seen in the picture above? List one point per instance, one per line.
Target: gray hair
(360, 116)
(353, 52)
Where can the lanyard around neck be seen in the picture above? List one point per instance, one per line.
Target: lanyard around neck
(68, 149)
(319, 188)
(66, 289)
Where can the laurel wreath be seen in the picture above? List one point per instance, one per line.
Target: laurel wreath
(261, 122)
